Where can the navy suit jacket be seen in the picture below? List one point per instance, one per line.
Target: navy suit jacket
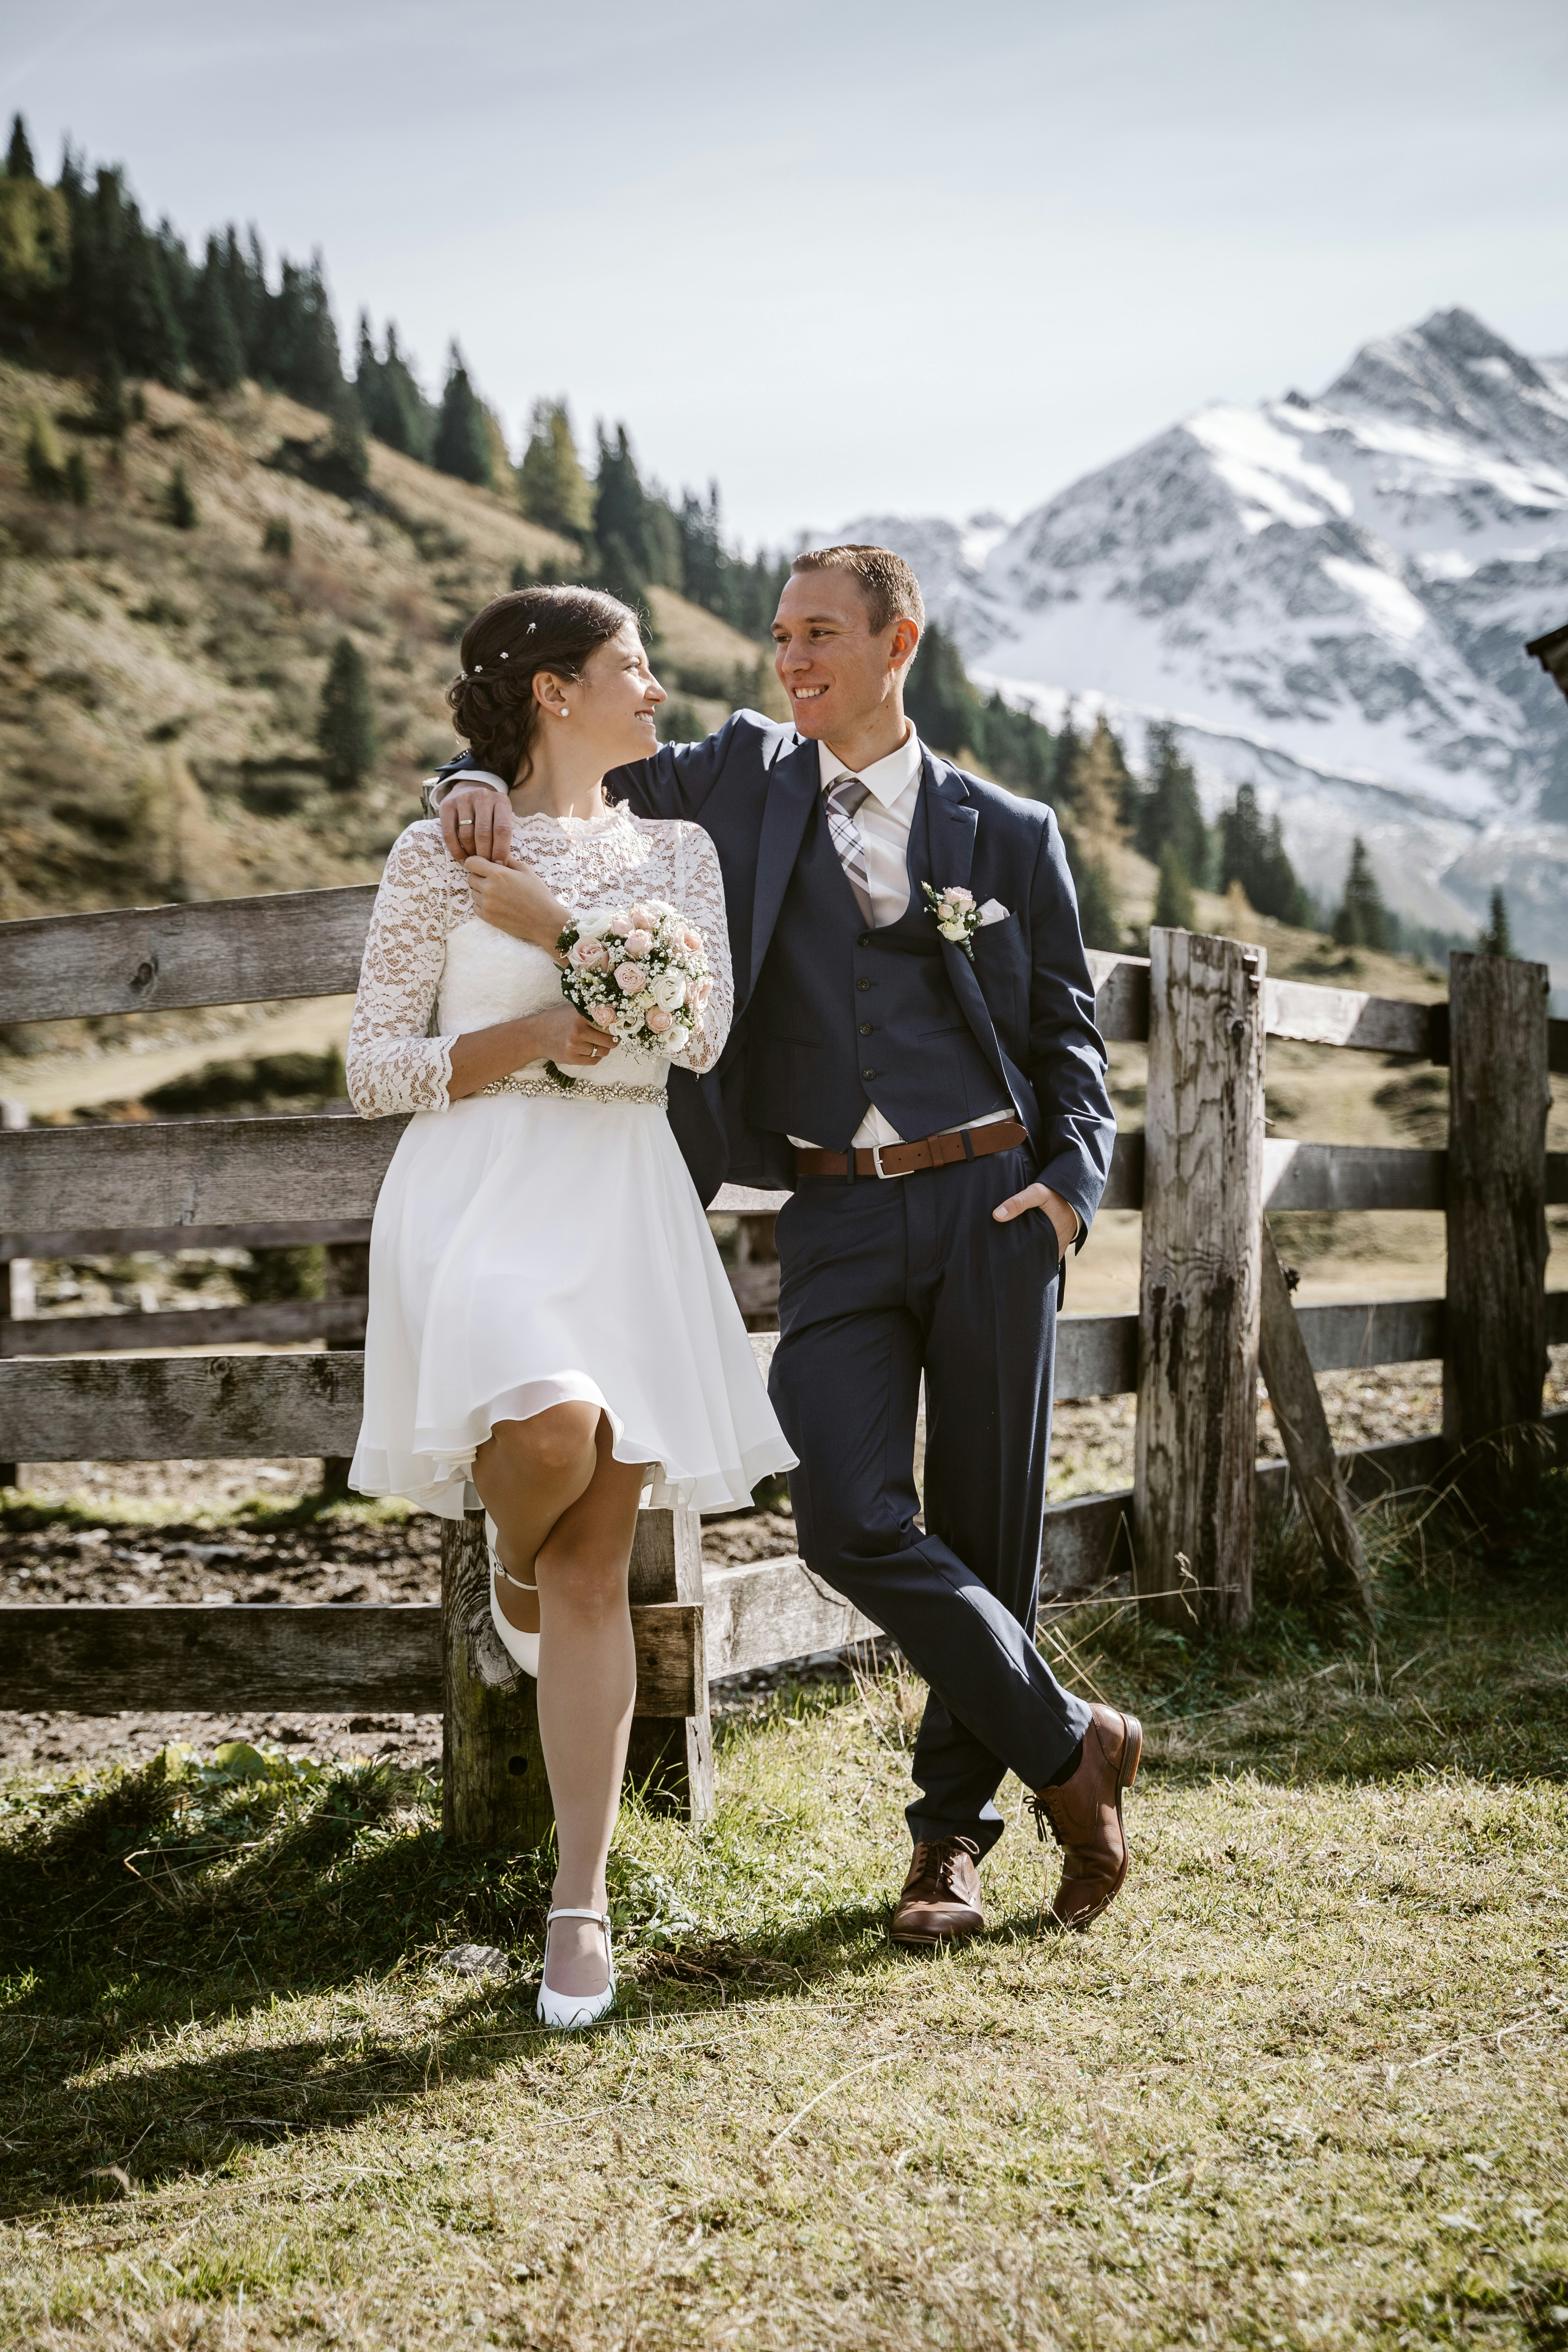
(1028, 996)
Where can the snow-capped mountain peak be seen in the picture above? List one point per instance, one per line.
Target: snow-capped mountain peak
(1330, 597)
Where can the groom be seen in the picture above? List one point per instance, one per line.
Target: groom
(936, 1108)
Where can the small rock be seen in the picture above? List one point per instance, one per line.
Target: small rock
(475, 1960)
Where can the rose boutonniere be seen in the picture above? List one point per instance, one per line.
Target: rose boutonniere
(957, 916)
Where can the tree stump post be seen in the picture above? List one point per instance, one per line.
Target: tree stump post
(1303, 1427)
(672, 1757)
(346, 1275)
(15, 1273)
(1192, 1502)
(494, 1790)
(1494, 1349)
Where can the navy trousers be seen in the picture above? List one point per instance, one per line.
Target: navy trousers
(881, 1280)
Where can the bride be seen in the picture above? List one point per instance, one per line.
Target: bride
(548, 1315)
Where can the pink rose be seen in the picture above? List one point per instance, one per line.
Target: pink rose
(693, 939)
(645, 918)
(658, 1020)
(620, 925)
(957, 897)
(638, 942)
(588, 956)
(603, 1017)
(629, 978)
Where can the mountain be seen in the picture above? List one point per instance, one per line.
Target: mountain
(1330, 597)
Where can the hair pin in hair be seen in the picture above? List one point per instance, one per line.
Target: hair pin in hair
(477, 666)
(531, 628)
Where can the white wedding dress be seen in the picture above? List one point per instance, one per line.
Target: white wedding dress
(532, 1248)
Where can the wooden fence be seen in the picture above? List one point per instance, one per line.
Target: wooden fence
(1204, 1175)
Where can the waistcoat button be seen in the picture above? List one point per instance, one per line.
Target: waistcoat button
(868, 1074)
(862, 983)
(864, 939)
(864, 1028)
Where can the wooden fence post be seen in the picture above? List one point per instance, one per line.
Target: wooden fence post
(17, 1272)
(346, 1272)
(1494, 1350)
(1192, 1503)
(1304, 1428)
(494, 1792)
(672, 1756)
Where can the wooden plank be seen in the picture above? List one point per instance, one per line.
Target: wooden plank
(1120, 995)
(767, 1610)
(222, 952)
(1557, 1179)
(329, 1657)
(1303, 1427)
(281, 1321)
(180, 1407)
(1498, 1096)
(495, 1792)
(1096, 1355)
(745, 1200)
(194, 1172)
(1351, 1176)
(1198, 1290)
(1345, 1016)
(119, 1241)
(670, 1756)
(1343, 1338)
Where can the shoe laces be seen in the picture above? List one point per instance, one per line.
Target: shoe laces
(1046, 1823)
(943, 1854)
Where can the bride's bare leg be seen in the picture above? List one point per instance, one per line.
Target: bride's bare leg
(587, 1683)
(528, 1473)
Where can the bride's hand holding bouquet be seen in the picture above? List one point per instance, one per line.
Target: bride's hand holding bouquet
(638, 974)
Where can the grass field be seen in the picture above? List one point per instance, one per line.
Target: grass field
(1303, 2086)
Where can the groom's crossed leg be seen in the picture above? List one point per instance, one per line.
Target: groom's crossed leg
(879, 1280)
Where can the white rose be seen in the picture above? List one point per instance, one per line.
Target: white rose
(669, 991)
(593, 927)
(952, 930)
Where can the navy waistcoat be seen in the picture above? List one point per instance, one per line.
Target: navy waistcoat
(843, 1016)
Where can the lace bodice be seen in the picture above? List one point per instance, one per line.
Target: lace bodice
(428, 951)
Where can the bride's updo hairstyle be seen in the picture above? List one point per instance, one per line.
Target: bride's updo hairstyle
(504, 649)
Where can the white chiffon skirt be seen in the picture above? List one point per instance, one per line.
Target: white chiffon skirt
(528, 1252)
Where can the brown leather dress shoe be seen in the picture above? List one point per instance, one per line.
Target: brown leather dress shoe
(1084, 1816)
(941, 1901)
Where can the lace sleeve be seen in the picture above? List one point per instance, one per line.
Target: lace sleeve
(699, 892)
(392, 1064)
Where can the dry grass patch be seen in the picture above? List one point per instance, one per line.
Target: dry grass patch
(1303, 2086)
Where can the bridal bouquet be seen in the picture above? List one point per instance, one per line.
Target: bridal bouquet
(639, 973)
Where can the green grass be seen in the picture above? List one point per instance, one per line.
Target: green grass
(1303, 2086)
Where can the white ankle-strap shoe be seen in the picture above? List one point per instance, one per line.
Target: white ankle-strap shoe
(569, 2012)
(521, 1648)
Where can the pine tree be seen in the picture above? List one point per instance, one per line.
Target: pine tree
(1497, 940)
(1363, 921)
(620, 517)
(277, 539)
(345, 726)
(179, 506)
(347, 459)
(78, 484)
(217, 353)
(1096, 914)
(19, 155)
(1168, 810)
(1102, 783)
(938, 697)
(394, 409)
(703, 560)
(46, 458)
(1173, 908)
(552, 489)
(110, 409)
(462, 442)
(299, 342)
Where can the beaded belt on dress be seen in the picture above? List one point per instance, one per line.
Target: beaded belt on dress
(612, 1091)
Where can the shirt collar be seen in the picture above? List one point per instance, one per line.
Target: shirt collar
(887, 780)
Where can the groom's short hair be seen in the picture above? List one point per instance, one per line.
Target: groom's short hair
(890, 589)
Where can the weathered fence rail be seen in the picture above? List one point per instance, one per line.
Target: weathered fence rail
(1206, 1175)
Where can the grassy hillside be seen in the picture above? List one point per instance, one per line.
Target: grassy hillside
(159, 687)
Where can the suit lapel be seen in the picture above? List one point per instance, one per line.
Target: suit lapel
(954, 818)
(792, 789)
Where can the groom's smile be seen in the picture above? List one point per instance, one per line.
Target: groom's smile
(844, 678)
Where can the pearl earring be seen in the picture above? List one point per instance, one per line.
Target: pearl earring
(564, 712)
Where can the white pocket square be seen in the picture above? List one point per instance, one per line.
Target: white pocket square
(993, 911)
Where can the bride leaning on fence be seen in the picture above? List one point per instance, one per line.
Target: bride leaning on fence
(549, 1318)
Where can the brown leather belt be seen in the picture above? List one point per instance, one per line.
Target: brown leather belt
(910, 1159)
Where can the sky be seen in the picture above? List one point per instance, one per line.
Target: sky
(917, 258)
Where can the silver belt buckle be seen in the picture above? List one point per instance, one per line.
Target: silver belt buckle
(888, 1175)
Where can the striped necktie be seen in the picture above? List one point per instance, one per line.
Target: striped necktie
(844, 797)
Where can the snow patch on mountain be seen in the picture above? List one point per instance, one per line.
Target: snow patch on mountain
(1328, 597)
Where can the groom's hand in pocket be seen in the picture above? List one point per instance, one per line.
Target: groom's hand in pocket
(1062, 1214)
